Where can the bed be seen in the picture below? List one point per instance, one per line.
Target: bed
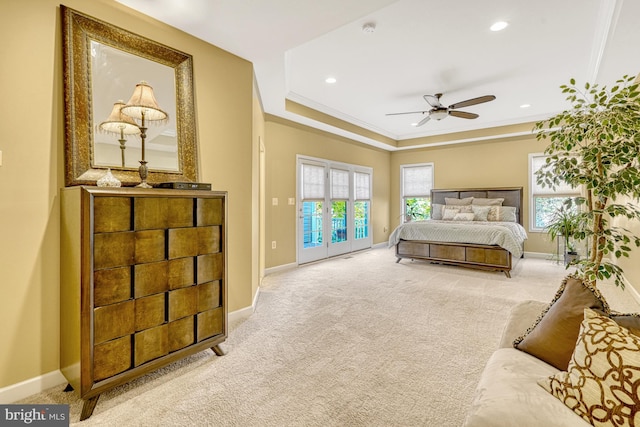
(458, 237)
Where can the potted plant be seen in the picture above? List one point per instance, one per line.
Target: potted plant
(565, 223)
(596, 145)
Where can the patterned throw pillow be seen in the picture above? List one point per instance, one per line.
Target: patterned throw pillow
(463, 216)
(480, 212)
(602, 381)
(449, 214)
(552, 338)
(502, 213)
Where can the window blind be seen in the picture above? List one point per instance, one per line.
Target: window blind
(417, 181)
(312, 182)
(339, 184)
(536, 189)
(363, 186)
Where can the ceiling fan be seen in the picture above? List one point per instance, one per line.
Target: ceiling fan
(439, 111)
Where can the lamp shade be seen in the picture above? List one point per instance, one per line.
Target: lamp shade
(118, 122)
(143, 104)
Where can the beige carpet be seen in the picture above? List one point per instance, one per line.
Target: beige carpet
(357, 340)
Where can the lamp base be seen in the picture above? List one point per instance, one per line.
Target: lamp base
(143, 171)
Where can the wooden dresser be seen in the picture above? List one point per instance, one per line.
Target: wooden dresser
(143, 282)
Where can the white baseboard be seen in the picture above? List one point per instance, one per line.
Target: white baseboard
(540, 255)
(282, 267)
(15, 392)
(628, 287)
(246, 312)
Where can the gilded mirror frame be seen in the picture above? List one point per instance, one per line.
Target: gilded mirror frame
(78, 30)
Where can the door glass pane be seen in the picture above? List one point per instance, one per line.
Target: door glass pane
(417, 208)
(361, 213)
(312, 224)
(338, 221)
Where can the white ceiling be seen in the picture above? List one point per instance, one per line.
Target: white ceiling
(418, 47)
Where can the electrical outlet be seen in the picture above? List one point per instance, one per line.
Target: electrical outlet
(274, 201)
(385, 229)
(273, 244)
(292, 201)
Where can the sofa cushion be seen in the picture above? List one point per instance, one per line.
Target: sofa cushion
(603, 378)
(508, 394)
(553, 337)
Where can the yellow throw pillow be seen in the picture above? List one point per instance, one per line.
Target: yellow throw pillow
(602, 381)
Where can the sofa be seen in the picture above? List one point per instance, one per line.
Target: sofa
(508, 393)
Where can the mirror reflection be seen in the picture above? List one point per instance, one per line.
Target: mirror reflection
(114, 75)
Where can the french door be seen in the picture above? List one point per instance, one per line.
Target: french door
(333, 209)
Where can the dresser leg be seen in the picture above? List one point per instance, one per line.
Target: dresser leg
(88, 407)
(68, 388)
(218, 351)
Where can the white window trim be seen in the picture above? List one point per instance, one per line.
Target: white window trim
(402, 196)
(532, 195)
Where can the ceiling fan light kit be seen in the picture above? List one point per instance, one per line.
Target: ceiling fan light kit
(439, 111)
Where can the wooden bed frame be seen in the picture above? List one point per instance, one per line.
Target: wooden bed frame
(483, 257)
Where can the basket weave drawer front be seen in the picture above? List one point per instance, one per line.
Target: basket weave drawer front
(111, 358)
(113, 321)
(150, 311)
(209, 295)
(150, 344)
(180, 213)
(183, 302)
(183, 242)
(111, 286)
(151, 278)
(149, 246)
(113, 249)
(181, 333)
(150, 213)
(112, 214)
(210, 267)
(209, 212)
(208, 240)
(210, 323)
(181, 272)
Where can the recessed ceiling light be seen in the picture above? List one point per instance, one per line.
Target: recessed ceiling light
(330, 80)
(499, 26)
(369, 28)
(525, 106)
(414, 124)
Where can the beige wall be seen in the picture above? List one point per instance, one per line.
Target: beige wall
(283, 142)
(32, 170)
(491, 163)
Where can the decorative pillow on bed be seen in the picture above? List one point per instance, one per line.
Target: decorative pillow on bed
(480, 213)
(458, 202)
(449, 214)
(602, 380)
(487, 202)
(502, 213)
(553, 337)
(436, 211)
(464, 216)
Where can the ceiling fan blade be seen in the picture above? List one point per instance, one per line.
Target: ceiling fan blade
(434, 100)
(463, 114)
(423, 121)
(472, 101)
(408, 112)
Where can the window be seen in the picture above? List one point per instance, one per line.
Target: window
(544, 201)
(416, 182)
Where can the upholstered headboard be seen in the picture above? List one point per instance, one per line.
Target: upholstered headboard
(512, 196)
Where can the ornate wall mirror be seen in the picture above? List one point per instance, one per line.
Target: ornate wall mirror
(102, 66)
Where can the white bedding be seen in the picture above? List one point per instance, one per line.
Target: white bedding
(507, 235)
